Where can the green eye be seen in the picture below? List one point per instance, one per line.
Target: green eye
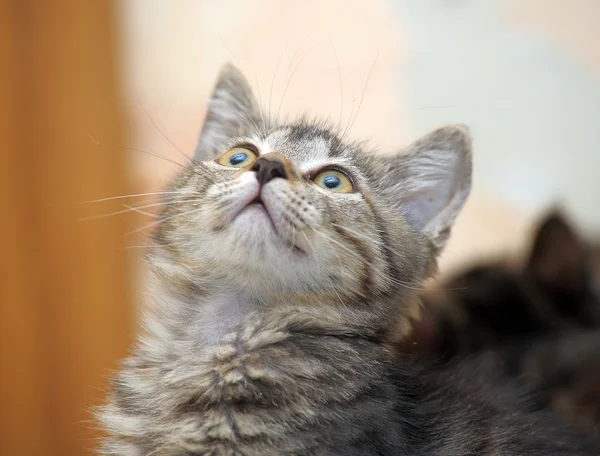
(238, 157)
(335, 181)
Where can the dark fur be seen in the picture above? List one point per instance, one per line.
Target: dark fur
(540, 323)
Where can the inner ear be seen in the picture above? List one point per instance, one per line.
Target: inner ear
(431, 179)
(232, 112)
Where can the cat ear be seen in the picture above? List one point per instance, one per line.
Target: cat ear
(232, 112)
(558, 256)
(431, 180)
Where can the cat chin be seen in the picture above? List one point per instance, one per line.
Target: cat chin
(255, 224)
(254, 230)
(252, 243)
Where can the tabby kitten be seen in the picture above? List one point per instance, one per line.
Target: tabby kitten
(286, 260)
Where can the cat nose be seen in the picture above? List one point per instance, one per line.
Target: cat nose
(268, 168)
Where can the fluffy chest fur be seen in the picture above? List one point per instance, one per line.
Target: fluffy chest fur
(269, 386)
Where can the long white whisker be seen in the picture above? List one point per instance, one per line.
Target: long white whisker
(273, 81)
(135, 149)
(337, 60)
(262, 106)
(347, 249)
(151, 246)
(343, 135)
(363, 93)
(292, 77)
(134, 195)
(139, 211)
(122, 211)
(150, 225)
(392, 279)
(199, 172)
(135, 208)
(164, 135)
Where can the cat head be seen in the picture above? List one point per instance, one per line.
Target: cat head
(565, 269)
(294, 207)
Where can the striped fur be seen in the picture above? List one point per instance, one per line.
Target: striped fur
(269, 339)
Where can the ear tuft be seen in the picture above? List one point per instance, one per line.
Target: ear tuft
(431, 181)
(232, 112)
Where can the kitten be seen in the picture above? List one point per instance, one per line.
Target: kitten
(541, 323)
(279, 271)
(492, 305)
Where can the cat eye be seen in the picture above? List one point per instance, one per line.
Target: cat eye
(238, 157)
(335, 181)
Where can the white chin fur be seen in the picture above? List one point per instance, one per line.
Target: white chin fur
(275, 240)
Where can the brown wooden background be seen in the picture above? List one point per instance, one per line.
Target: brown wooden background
(65, 301)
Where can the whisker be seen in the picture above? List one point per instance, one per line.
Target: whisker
(347, 249)
(122, 211)
(151, 246)
(337, 61)
(164, 135)
(135, 195)
(292, 76)
(262, 106)
(296, 53)
(137, 208)
(363, 237)
(158, 222)
(398, 282)
(200, 172)
(363, 94)
(273, 80)
(250, 118)
(405, 285)
(343, 135)
(139, 211)
(134, 149)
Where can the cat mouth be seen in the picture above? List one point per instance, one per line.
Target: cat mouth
(258, 202)
(258, 205)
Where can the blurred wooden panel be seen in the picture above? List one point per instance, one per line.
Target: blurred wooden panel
(23, 424)
(66, 311)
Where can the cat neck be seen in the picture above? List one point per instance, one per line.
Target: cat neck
(208, 305)
(220, 313)
(204, 309)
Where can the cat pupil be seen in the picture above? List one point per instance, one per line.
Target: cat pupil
(331, 181)
(238, 158)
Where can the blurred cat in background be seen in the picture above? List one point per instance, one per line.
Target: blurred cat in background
(541, 321)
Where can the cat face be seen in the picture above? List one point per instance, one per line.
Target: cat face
(293, 207)
(289, 206)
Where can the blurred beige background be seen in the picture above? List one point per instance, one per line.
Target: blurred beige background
(524, 75)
